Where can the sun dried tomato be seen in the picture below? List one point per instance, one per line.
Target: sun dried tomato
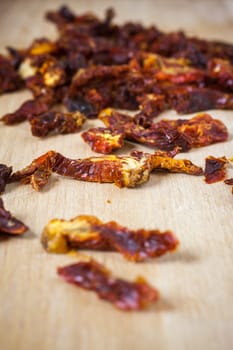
(37, 173)
(215, 169)
(96, 63)
(124, 295)
(164, 137)
(174, 70)
(199, 131)
(123, 171)
(56, 123)
(9, 78)
(88, 232)
(222, 72)
(9, 224)
(189, 99)
(229, 181)
(151, 105)
(103, 140)
(45, 67)
(117, 86)
(28, 109)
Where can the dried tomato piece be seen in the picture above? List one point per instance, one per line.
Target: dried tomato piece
(9, 78)
(124, 295)
(103, 86)
(38, 172)
(56, 123)
(9, 224)
(128, 171)
(103, 140)
(88, 232)
(137, 245)
(47, 68)
(221, 71)
(175, 70)
(201, 130)
(215, 169)
(164, 137)
(29, 109)
(123, 171)
(151, 105)
(189, 99)
(5, 173)
(229, 181)
(59, 236)
(165, 162)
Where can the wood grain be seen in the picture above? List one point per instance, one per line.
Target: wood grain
(40, 311)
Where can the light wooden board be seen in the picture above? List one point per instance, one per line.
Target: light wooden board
(40, 311)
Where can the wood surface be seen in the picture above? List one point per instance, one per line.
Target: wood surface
(37, 309)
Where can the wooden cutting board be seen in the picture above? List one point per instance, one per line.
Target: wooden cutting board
(195, 311)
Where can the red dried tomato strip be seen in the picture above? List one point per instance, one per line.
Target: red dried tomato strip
(124, 295)
(9, 224)
(128, 171)
(88, 232)
(123, 171)
(215, 169)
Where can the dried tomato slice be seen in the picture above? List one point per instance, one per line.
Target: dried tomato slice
(124, 295)
(123, 171)
(9, 224)
(201, 130)
(103, 140)
(56, 123)
(215, 169)
(88, 232)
